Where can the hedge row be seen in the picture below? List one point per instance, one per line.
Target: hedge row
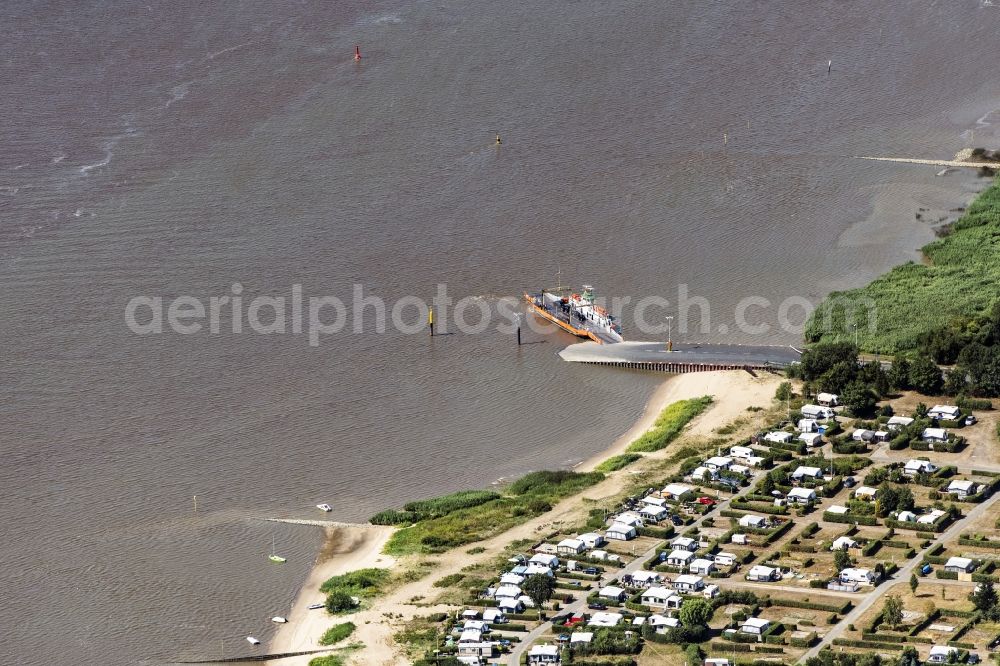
(656, 532)
(850, 518)
(871, 645)
(810, 605)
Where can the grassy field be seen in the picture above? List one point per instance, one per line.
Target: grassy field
(669, 424)
(960, 280)
(529, 496)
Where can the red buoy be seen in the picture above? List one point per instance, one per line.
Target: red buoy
(357, 53)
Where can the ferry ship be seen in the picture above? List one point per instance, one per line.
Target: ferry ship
(576, 313)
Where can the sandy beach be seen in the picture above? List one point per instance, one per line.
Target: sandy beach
(345, 549)
(733, 391)
(355, 548)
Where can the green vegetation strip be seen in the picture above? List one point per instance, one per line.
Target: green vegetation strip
(960, 281)
(529, 496)
(329, 660)
(337, 633)
(615, 463)
(669, 424)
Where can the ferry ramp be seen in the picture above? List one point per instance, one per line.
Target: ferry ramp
(689, 357)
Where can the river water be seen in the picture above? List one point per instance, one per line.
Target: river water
(164, 149)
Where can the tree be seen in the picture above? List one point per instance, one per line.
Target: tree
(819, 359)
(875, 377)
(888, 497)
(904, 499)
(984, 598)
(784, 391)
(767, 485)
(899, 373)
(841, 560)
(693, 654)
(339, 601)
(876, 477)
(838, 376)
(892, 611)
(696, 612)
(914, 582)
(909, 657)
(925, 375)
(859, 399)
(955, 383)
(539, 588)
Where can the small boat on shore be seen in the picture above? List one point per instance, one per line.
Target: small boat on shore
(316, 606)
(277, 619)
(324, 507)
(253, 641)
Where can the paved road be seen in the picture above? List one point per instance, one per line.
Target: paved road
(903, 574)
(630, 568)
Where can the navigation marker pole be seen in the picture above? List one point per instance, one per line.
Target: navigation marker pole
(357, 53)
(196, 504)
(518, 315)
(430, 320)
(829, 66)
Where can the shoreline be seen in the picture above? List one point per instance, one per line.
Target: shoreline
(350, 548)
(344, 549)
(727, 387)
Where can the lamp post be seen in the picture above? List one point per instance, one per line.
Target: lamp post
(670, 341)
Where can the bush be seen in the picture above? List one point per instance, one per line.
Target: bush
(339, 601)
(337, 633)
(965, 403)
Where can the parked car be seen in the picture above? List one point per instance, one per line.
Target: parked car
(597, 607)
(926, 569)
(676, 520)
(973, 658)
(971, 420)
(591, 571)
(707, 501)
(563, 638)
